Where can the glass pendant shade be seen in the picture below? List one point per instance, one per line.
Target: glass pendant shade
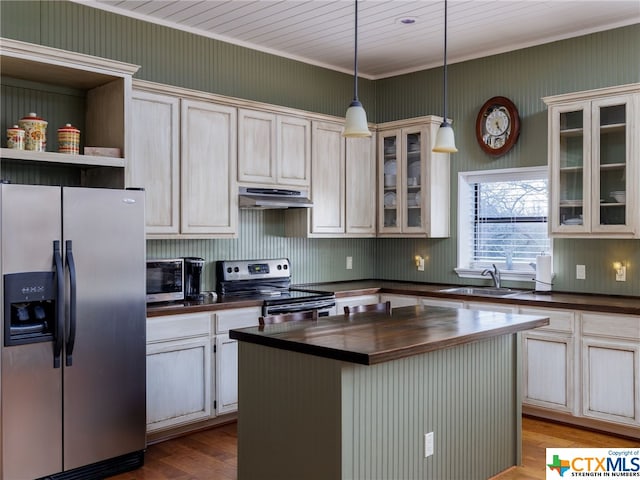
(355, 124)
(445, 141)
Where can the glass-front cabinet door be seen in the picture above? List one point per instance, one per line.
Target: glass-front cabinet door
(595, 176)
(413, 181)
(610, 153)
(573, 170)
(390, 152)
(402, 205)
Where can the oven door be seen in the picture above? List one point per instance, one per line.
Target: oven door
(324, 307)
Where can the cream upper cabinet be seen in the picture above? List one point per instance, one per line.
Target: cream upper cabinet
(155, 159)
(360, 191)
(186, 162)
(209, 193)
(328, 174)
(256, 147)
(594, 165)
(273, 149)
(342, 186)
(413, 181)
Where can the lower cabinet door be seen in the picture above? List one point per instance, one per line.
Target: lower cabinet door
(548, 370)
(610, 389)
(227, 374)
(178, 382)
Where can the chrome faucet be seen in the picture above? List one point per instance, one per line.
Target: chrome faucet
(495, 275)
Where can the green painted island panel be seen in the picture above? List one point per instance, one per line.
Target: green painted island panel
(303, 416)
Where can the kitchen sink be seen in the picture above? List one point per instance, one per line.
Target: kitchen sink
(483, 291)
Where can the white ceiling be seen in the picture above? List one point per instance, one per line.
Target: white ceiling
(321, 32)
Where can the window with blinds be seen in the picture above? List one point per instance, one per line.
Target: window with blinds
(503, 218)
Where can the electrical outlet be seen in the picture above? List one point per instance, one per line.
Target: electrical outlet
(621, 274)
(428, 444)
(421, 264)
(349, 263)
(581, 272)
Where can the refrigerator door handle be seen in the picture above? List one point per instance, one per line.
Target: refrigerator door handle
(58, 328)
(71, 338)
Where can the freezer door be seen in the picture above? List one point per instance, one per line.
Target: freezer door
(31, 387)
(105, 372)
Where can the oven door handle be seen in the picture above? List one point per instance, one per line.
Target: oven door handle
(301, 307)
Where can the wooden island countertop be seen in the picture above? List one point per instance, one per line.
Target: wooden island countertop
(372, 338)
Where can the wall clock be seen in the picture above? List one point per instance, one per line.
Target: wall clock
(497, 126)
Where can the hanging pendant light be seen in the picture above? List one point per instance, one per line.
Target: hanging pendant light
(355, 124)
(445, 141)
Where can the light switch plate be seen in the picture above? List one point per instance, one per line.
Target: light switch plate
(581, 272)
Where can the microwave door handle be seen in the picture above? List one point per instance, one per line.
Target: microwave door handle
(71, 338)
(59, 319)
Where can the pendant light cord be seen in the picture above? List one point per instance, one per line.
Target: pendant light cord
(355, 58)
(445, 63)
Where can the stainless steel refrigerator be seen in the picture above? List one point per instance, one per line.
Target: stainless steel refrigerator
(73, 331)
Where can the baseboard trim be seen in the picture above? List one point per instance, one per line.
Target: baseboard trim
(626, 431)
(169, 433)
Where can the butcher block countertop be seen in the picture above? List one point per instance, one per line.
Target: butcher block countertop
(372, 338)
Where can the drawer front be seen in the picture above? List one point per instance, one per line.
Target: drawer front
(172, 327)
(617, 326)
(559, 320)
(226, 320)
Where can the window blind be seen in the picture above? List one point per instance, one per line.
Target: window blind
(507, 221)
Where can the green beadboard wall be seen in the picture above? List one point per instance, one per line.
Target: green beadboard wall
(261, 235)
(178, 58)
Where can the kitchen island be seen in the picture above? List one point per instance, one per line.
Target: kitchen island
(352, 398)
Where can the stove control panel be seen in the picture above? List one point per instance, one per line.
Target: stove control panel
(235, 270)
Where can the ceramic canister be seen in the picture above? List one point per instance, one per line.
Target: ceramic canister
(69, 139)
(35, 132)
(15, 138)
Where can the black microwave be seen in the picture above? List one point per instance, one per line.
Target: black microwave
(165, 280)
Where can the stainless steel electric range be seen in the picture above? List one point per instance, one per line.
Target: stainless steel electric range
(270, 281)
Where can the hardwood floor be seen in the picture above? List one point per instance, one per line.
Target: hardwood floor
(212, 454)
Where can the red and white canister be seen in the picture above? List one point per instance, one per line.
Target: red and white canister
(15, 138)
(35, 132)
(69, 140)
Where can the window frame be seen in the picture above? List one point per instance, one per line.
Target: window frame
(466, 191)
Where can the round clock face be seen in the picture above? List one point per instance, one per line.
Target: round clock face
(497, 126)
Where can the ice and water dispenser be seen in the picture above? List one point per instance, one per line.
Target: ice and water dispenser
(29, 307)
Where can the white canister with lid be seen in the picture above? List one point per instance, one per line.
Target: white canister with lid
(35, 132)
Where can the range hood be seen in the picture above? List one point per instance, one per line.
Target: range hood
(253, 197)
